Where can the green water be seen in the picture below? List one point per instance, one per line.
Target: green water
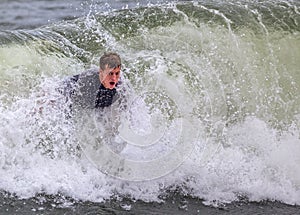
(232, 66)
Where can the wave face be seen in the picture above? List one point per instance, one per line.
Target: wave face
(221, 77)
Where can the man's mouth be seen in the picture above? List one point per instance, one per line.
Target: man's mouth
(112, 83)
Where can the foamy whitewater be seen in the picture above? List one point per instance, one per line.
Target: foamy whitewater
(213, 86)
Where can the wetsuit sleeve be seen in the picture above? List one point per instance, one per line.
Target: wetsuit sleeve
(68, 86)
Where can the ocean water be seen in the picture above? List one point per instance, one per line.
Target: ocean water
(213, 116)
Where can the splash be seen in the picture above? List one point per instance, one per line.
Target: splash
(216, 81)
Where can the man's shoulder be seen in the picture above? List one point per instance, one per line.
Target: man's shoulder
(71, 83)
(88, 73)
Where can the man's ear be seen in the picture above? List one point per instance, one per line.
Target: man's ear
(100, 75)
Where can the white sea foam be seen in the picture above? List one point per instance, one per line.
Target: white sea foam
(256, 162)
(245, 102)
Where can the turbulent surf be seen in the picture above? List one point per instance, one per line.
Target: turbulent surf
(218, 81)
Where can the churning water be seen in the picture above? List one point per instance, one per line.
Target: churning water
(214, 107)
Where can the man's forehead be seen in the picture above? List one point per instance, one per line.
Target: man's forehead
(115, 69)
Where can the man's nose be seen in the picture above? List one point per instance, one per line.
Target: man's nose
(114, 76)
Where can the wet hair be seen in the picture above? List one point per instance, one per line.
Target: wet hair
(111, 59)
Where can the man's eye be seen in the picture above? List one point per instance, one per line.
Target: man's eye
(117, 73)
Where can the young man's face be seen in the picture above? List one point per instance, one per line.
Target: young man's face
(109, 77)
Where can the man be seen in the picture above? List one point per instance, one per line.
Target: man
(95, 89)
(92, 90)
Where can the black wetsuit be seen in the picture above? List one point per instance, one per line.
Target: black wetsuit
(105, 97)
(86, 91)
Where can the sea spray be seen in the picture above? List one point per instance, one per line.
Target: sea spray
(235, 63)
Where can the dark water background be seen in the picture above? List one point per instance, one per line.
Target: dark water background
(18, 15)
(29, 14)
(175, 204)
